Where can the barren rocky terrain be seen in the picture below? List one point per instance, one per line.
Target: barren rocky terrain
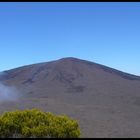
(105, 101)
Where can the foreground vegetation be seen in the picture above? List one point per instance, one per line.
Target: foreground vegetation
(37, 124)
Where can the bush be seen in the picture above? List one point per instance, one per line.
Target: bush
(37, 124)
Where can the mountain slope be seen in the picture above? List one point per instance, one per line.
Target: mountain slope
(104, 100)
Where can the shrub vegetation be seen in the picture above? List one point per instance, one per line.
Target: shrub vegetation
(37, 124)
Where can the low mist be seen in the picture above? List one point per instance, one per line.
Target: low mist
(8, 93)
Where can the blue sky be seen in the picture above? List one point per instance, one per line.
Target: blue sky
(106, 33)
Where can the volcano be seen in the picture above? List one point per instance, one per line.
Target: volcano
(105, 101)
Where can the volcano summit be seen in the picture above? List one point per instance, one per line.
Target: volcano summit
(105, 101)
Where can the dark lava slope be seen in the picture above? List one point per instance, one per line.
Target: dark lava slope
(105, 101)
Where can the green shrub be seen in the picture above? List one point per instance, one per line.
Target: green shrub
(37, 124)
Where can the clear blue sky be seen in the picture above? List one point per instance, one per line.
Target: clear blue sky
(106, 33)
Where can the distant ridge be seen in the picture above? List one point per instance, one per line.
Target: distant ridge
(105, 68)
